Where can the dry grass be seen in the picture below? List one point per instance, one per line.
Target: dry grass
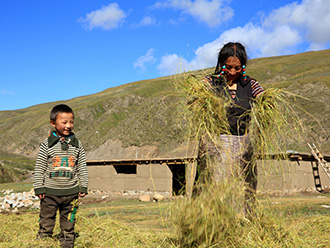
(205, 111)
(214, 218)
(301, 221)
(274, 120)
(99, 225)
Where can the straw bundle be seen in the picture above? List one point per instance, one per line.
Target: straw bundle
(274, 121)
(273, 116)
(205, 110)
(214, 217)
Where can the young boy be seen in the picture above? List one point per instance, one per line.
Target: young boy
(60, 176)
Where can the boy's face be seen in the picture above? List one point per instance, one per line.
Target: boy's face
(63, 124)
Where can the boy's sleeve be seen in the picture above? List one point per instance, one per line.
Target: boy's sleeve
(40, 169)
(82, 170)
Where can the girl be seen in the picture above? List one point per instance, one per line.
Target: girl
(230, 154)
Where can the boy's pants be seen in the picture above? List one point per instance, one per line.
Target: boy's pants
(67, 206)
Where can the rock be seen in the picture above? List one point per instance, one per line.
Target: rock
(158, 197)
(14, 210)
(14, 201)
(36, 205)
(104, 197)
(31, 192)
(145, 198)
(27, 203)
(5, 206)
(7, 191)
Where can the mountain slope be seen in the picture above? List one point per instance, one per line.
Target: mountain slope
(143, 118)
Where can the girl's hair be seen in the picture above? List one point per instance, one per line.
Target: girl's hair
(231, 49)
(61, 108)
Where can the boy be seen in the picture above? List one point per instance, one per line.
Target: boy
(60, 176)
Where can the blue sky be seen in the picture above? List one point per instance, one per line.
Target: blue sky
(54, 50)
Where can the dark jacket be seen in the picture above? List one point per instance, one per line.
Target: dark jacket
(238, 114)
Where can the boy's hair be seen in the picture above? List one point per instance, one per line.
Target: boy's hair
(231, 49)
(61, 108)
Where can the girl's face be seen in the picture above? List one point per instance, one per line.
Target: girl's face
(63, 124)
(233, 68)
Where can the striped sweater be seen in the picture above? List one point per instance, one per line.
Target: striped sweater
(60, 172)
(256, 87)
(238, 113)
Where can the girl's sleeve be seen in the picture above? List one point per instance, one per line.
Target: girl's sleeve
(256, 88)
(40, 170)
(208, 82)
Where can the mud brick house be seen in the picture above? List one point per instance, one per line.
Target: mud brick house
(300, 172)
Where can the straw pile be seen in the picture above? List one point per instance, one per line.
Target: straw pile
(273, 116)
(214, 218)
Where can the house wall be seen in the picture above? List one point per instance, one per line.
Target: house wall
(148, 177)
(283, 176)
(286, 176)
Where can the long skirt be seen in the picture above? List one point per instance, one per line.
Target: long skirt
(227, 157)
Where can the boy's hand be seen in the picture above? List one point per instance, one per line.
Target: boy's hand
(81, 194)
(41, 196)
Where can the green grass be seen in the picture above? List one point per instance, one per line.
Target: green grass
(17, 187)
(14, 167)
(17, 160)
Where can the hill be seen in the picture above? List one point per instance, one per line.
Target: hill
(142, 119)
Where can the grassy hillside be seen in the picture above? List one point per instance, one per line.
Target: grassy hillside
(14, 167)
(306, 75)
(148, 112)
(139, 113)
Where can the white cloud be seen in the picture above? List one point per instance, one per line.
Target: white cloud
(213, 12)
(310, 17)
(172, 64)
(6, 92)
(146, 21)
(280, 33)
(146, 59)
(205, 56)
(108, 17)
(261, 42)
